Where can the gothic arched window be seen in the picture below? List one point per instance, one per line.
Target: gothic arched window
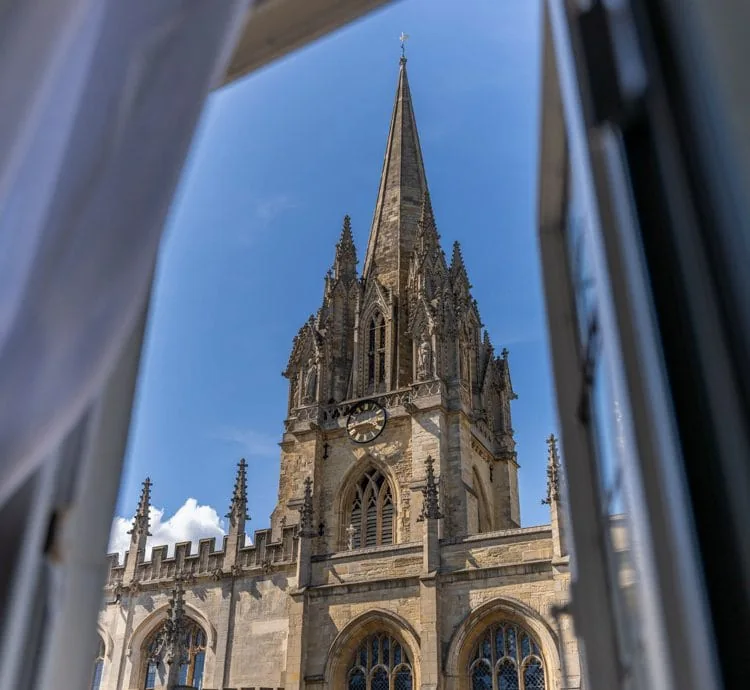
(506, 658)
(96, 675)
(376, 352)
(372, 511)
(193, 648)
(380, 663)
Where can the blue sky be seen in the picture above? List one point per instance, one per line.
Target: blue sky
(278, 160)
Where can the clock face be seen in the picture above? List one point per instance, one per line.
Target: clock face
(366, 421)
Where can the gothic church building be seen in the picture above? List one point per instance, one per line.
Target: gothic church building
(395, 559)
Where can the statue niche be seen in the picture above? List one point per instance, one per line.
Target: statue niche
(311, 382)
(424, 360)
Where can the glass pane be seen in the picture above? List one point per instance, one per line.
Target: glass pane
(507, 676)
(533, 676)
(375, 655)
(182, 675)
(481, 677)
(510, 638)
(151, 676)
(200, 659)
(385, 651)
(402, 680)
(357, 681)
(500, 642)
(363, 656)
(525, 646)
(396, 653)
(486, 648)
(97, 677)
(379, 680)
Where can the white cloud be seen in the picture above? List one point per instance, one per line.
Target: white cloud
(191, 522)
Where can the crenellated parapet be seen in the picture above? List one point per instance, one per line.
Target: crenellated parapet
(207, 561)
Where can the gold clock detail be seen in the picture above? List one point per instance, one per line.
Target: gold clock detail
(366, 421)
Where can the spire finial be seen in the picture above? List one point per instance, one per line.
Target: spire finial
(238, 507)
(430, 504)
(553, 472)
(141, 519)
(403, 38)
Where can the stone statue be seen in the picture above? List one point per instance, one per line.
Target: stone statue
(311, 381)
(424, 357)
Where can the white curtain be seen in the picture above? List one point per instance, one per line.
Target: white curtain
(98, 103)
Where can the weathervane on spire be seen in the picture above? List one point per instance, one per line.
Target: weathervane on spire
(403, 38)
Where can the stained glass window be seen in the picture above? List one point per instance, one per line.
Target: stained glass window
(506, 657)
(380, 663)
(372, 512)
(190, 672)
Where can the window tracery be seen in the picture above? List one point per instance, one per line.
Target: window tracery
(376, 353)
(96, 675)
(380, 663)
(193, 645)
(506, 658)
(372, 511)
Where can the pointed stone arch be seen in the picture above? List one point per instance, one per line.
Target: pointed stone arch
(106, 638)
(344, 646)
(501, 609)
(347, 488)
(149, 625)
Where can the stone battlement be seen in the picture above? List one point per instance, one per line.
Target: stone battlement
(262, 554)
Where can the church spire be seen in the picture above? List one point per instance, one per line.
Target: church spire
(399, 203)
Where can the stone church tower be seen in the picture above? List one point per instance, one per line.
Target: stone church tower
(395, 558)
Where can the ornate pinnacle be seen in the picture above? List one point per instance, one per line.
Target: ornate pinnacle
(174, 625)
(427, 229)
(345, 263)
(458, 268)
(238, 507)
(505, 354)
(430, 503)
(141, 519)
(307, 528)
(553, 472)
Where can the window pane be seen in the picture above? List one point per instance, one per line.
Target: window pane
(200, 659)
(500, 642)
(481, 677)
(507, 676)
(402, 680)
(379, 680)
(151, 676)
(486, 648)
(533, 676)
(510, 638)
(97, 677)
(357, 681)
